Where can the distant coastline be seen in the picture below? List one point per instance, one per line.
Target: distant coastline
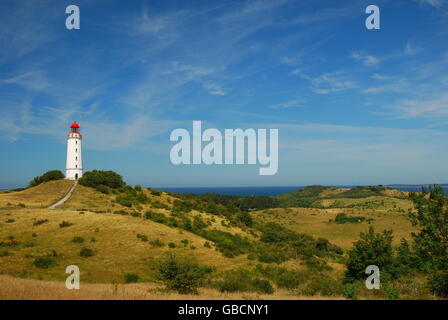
(274, 191)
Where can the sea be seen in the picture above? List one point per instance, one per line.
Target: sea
(266, 191)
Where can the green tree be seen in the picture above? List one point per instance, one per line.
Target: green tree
(182, 274)
(431, 217)
(372, 249)
(47, 176)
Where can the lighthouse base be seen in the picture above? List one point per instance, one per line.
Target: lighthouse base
(73, 174)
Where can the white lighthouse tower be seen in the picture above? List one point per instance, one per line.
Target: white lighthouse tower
(74, 153)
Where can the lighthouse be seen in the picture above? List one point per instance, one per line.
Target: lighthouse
(74, 153)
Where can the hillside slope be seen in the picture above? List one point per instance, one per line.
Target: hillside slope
(129, 230)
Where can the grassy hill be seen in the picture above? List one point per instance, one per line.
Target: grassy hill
(129, 230)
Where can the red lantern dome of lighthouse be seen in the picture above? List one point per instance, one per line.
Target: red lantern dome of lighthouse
(75, 129)
(74, 125)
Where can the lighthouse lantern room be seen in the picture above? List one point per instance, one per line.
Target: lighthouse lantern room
(74, 153)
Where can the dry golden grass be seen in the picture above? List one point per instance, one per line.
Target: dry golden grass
(118, 250)
(25, 289)
(316, 223)
(89, 199)
(40, 196)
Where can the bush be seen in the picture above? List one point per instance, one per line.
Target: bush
(102, 188)
(125, 201)
(350, 291)
(282, 277)
(38, 222)
(183, 275)
(439, 284)
(172, 245)
(262, 286)
(5, 254)
(96, 178)
(78, 240)
(155, 192)
(245, 218)
(243, 281)
(65, 224)
(44, 262)
(142, 237)
(47, 176)
(343, 218)
(391, 294)
(325, 286)
(86, 252)
(156, 243)
(131, 278)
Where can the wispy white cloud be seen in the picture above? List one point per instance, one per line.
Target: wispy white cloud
(434, 3)
(330, 83)
(33, 80)
(367, 60)
(214, 89)
(289, 104)
(428, 108)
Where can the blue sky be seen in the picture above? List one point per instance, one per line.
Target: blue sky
(353, 106)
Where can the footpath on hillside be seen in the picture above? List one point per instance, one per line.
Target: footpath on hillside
(66, 197)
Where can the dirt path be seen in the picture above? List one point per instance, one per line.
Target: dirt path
(66, 197)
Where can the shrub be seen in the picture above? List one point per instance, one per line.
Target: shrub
(155, 192)
(245, 218)
(142, 237)
(96, 178)
(272, 257)
(343, 218)
(78, 240)
(138, 188)
(86, 252)
(199, 223)
(391, 294)
(5, 253)
(47, 176)
(350, 291)
(172, 245)
(242, 280)
(125, 201)
(156, 243)
(439, 284)
(183, 275)
(10, 221)
(282, 277)
(156, 217)
(262, 286)
(325, 286)
(44, 262)
(131, 278)
(65, 224)
(102, 188)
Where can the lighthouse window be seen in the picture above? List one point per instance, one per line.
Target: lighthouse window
(76, 141)
(76, 158)
(76, 166)
(76, 150)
